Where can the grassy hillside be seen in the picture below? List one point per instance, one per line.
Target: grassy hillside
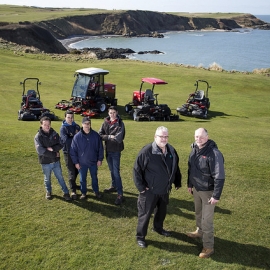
(41, 234)
(15, 14)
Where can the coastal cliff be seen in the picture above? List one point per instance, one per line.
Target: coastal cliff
(45, 35)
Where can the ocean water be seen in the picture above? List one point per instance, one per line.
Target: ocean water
(241, 50)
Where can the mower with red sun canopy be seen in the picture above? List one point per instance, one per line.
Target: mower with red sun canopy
(144, 105)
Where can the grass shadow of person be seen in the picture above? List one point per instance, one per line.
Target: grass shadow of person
(226, 251)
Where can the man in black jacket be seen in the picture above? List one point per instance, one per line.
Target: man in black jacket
(155, 170)
(206, 178)
(112, 132)
(47, 144)
(67, 131)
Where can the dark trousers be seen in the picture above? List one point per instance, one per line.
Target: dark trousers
(147, 204)
(72, 172)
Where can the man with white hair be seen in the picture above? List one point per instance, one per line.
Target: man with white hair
(206, 178)
(155, 170)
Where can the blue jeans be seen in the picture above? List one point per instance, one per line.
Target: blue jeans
(113, 159)
(56, 169)
(83, 174)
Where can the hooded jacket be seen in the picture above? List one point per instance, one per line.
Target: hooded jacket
(116, 128)
(151, 169)
(86, 149)
(206, 169)
(43, 140)
(67, 132)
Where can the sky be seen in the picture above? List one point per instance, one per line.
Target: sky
(258, 7)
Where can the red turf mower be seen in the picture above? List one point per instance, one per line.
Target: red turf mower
(31, 106)
(144, 105)
(90, 95)
(198, 103)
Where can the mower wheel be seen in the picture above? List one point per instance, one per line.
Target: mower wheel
(101, 106)
(128, 108)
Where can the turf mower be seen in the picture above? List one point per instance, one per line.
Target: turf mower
(198, 103)
(90, 96)
(31, 105)
(144, 105)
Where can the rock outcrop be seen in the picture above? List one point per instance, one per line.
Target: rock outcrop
(44, 35)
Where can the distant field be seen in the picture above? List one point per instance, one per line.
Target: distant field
(217, 15)
(15, 14)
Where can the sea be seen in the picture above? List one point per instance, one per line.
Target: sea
(237, 50)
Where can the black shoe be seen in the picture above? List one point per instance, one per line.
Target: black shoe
(162, 232)
(110, 190)
(141, 243)
(98, 195)
(119, 200)
(67, 197)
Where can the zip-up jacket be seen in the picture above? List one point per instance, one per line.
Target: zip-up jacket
(116, 128)
(43, 140)
(151, 170)
(86, 149)
(206, 169)
(67, 132)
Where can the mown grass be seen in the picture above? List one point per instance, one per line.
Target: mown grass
(41, 234)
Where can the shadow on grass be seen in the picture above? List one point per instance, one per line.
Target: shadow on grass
(106, 206)
(229, 252)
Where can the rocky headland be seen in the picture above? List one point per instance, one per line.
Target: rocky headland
(47, 36)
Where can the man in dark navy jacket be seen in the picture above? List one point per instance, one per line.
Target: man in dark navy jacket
(87, 154)
(155, 170)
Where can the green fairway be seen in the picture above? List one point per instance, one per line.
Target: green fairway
(96, 234)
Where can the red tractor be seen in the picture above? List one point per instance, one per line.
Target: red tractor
(31, 106)
(90, 94)
(144, 105)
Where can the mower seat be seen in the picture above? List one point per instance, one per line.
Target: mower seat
(32, 93)
(199, 95)
(148, 97)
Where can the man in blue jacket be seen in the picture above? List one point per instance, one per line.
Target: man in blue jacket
(87, 154)
(67, 131)
(206, 178)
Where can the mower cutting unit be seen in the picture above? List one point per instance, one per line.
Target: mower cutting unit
(198, 103)
(144, 105)
(31, 106)
(90, 95)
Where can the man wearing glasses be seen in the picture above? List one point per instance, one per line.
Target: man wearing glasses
(155, 170)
